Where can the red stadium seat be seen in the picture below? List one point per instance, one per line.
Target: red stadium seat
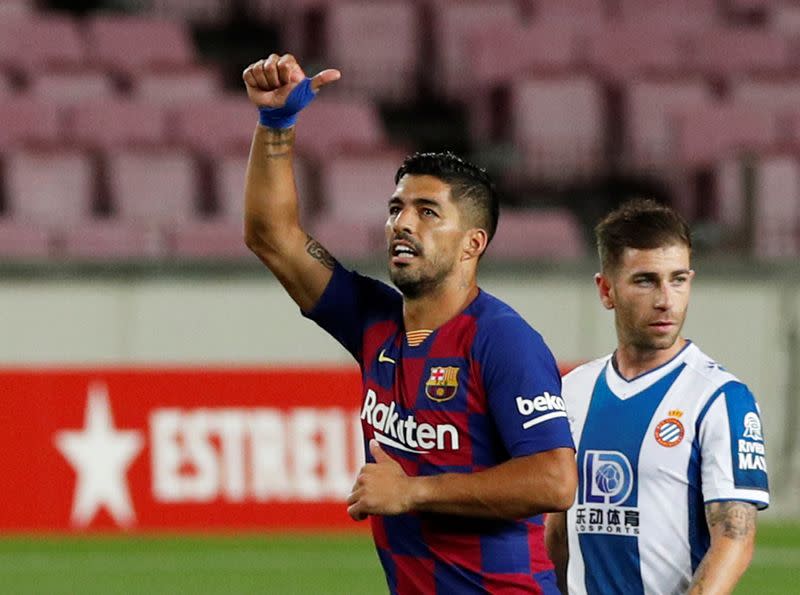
(177, 87)
(776, 191)
(677, 15)
(67, 86)
(702, 135)
(153, 187)
(454, 24)
(558, 124)
(27, 121)
(358, 187)
(110, 240)
(206, 13)
(23, 241)
(375, 44)
(779, 95)
(725, 52)
(331, 124)
(130, 44)
(53, 188)
(16, 8)
(582, 13)
(113, 124)
(649, 103)
(41, 40)
(539, 234)
(624, 51)
(215, 127)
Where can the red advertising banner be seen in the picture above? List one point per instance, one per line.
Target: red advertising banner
(178, 450)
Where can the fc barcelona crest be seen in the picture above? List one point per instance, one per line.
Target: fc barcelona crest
(442, 384)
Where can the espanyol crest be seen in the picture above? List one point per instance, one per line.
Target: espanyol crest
(442, 383)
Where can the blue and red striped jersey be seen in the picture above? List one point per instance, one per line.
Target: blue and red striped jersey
(477, 391)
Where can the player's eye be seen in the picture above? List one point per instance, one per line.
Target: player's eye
(394, 209)
(429, 212)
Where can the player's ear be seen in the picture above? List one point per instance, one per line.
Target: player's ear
(475, 242)
(604, 290)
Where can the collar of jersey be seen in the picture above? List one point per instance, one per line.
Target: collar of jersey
(627, 388)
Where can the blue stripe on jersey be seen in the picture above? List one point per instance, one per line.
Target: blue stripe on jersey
(699, 537)
(747, 441)
(612, 438)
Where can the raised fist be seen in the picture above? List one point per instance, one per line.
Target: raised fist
(270, 81)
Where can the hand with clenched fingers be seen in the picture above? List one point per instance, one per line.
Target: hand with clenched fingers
(270, 81)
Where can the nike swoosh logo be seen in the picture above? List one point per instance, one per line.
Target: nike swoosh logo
(385, 359)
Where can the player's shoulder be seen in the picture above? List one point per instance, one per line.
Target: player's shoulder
(707, 370)
(500, 322)
(587, 371)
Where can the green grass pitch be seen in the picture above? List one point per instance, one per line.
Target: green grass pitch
(280, 564)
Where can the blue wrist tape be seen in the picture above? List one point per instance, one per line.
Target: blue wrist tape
(286, 116)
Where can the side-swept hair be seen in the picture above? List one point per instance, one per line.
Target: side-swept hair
(643, 224)
(469, 184)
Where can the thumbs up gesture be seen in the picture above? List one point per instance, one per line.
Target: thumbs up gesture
(269, 82)
(381, 487)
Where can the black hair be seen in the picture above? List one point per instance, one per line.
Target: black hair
(468, 184)
(640, 223)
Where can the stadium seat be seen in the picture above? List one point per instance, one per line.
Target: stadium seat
(539, 234)
(110, 240)
(332, 124)
(625, 51)
(375, 44)
(177, 87)
(779, 95)
(726, 52)
(68, 86)
(204, 13)
(6, 87)
(558, 124)
(215, 127)
(775, 186)
(704, 134)
(453, 24)
(16, 8)
(54, 188)
(23, 241)
(215, 239)
(27, 121)
(113, 123)
(648, 104)
(41, 40)
(677, 15)
(580, 13)
(153, 187)
(358, 187)
(130, 44)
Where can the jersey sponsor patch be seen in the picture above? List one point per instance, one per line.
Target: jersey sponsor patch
(442, 383)
(544, 407)
(607, 477)
(669, 432)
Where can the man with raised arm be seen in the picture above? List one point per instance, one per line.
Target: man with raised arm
(466, 436)
(670, 449)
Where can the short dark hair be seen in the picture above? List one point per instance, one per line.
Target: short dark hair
(468, 184)
(643, 224)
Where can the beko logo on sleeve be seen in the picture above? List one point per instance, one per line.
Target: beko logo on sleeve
(553, 404)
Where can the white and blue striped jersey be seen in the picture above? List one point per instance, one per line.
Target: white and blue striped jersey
(652, 451)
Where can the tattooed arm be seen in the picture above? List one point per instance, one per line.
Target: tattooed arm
(271, 225)
(732, 525)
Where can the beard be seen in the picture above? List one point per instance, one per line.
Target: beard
(414, 284)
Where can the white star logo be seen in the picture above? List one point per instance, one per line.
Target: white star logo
(100, 456)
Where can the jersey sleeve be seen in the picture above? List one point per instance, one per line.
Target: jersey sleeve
(523, 387)
(732, 453)
(349, 304)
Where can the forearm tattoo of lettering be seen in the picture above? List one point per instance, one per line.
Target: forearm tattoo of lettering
(279, 144)
(738, 518)
(318, 251)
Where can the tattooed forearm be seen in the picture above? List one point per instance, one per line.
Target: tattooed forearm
(738, 518)
(318, 251)
(278, 143)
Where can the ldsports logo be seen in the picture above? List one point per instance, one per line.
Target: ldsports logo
(541, 405)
